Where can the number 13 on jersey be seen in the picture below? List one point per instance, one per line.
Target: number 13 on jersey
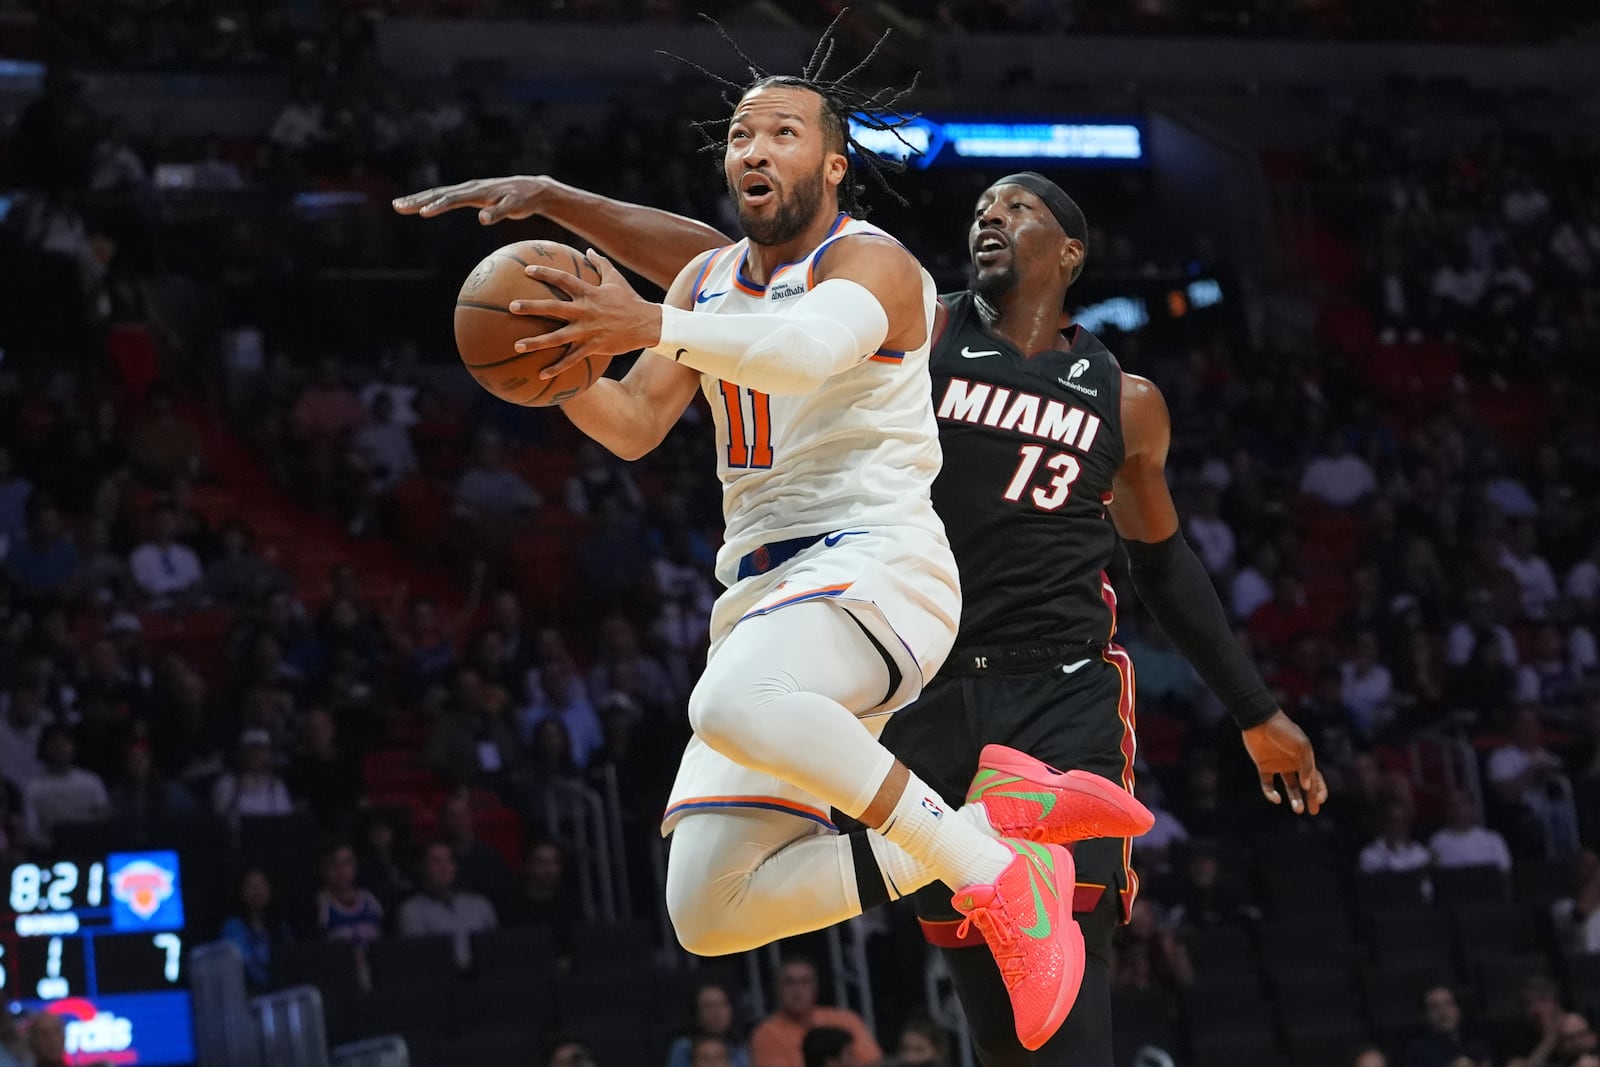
(749, 426)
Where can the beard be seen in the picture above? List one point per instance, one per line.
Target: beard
(996, 283)
(794, 213)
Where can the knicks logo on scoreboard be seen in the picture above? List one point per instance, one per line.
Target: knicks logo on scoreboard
(144, 891)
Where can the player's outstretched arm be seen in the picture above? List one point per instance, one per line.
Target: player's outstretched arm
(1174, 586)
(869, 296)
(632, 415)
(652, 243)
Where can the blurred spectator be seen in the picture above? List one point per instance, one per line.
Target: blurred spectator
(619, 659)
(346, 910)
(439, 907)
(256, 928)
(1481, 624)
(144, 799)
(1396, 849)
(777, 1041)
(299, 124)
(491, 497)
(827, 1046)
(1366, 686)
(472, 743)
(613, 558)
(556, 691)
(1463, 842)
(1583, 580)
(1212, 536)
(45, 560)
(1279, 622)
(481, 869)
(1577, 916)
(1154, 846)
(254, 789)
(567, 1053)
(1147, 955)
(240, 574)
(1252, 585)
(922, 1043)
(381, 457)
(706, 1051)
(163, 446)
(382, 868)
(1548, 678)
(20, 730)
(600, 477)
(1338, 478)
(322, 775)
(1442, 1039)
(1208, 896)
(1370, 1057)
(1520, 556)
(1519, 772)
(116, 167)
(164, 569)
(542, 897)
(47, 1040)
(1565, 1043)
(63, 792)
(14, 493)
(711, 1018)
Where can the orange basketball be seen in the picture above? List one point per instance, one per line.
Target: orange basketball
(487, 331)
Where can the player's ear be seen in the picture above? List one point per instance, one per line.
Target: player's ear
(1072, 256)
(835, 168)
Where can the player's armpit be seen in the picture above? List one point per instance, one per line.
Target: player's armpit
(1141, 503)
(884, 268)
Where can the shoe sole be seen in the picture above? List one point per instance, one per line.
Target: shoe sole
(1101, 807)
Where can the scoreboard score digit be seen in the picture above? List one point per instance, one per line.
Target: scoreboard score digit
(100, 941)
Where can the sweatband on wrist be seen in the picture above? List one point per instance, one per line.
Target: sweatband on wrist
(1173, 584)
(831, 329)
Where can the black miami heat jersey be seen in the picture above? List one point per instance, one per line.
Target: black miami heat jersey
(1031, 446)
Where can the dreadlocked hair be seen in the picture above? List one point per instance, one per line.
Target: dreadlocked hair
(841, 100)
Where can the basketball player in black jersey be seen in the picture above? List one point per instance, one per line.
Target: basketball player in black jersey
(1051, 453)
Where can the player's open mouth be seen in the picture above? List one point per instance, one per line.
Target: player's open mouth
(755, 190)
(990, 248)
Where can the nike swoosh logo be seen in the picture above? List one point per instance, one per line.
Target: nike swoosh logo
(1041, 927)
(1073, 668)
(1046, 801)
(970, 354)
(703, 297)
(835, 538)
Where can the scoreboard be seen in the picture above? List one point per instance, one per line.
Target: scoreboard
(100, 941)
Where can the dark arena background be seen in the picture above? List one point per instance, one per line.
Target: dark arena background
(306, 639)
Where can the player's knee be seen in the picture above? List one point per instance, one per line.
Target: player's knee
(722, 712)
(699, 922)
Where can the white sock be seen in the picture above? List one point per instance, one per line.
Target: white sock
(903, 873)
(952, 848)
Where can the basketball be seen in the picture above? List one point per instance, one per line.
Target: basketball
(487, 331)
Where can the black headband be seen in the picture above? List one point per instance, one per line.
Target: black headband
(1063, 207)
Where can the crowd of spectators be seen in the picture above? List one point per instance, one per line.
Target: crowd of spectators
(1399, 569)
(237, 35)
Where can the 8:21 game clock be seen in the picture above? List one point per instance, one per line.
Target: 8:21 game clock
(100, 942)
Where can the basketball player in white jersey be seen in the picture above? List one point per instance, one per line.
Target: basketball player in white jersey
(810, 340)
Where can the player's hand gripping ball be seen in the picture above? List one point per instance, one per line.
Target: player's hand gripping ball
(486, 330)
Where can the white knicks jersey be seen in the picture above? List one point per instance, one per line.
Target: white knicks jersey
(862, 450)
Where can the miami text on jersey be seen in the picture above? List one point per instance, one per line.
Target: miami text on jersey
(1006, 409)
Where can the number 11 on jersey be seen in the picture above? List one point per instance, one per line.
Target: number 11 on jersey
(749, 443)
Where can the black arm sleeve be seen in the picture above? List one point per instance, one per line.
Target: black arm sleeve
(1173, 584)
